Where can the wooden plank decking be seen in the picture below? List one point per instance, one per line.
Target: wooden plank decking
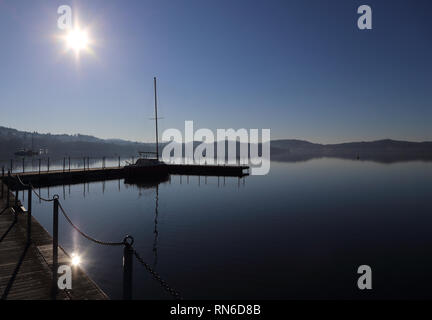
(25, 271)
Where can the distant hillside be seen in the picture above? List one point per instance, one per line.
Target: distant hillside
(12, 140)
(381, 150)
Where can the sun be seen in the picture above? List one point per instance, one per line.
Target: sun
(77, 40)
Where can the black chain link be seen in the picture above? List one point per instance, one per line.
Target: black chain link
(40, 197)
(157, 277)
(86, 235)
(33, 189)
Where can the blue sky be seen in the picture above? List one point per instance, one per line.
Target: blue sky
(301, 68)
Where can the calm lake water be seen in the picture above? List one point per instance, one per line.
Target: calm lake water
(300, 232)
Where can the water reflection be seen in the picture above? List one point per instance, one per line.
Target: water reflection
(141, 184)
(155, 231)
(300, 232)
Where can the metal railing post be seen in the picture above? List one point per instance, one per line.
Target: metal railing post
(84, 162)
(119, 161)
(39, 165)
(23, 164)
(69, 163)
(29, 214)
(127, 268)
(11, 166)
(55, 249)
(64, 164)
(48, 164)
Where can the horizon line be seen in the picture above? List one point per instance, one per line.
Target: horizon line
(271, 140)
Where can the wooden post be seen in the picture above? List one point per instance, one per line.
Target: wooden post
(55, 250)
(29, 214)
(127, 271)
(16, 198)
(8, 191)
(2, 187)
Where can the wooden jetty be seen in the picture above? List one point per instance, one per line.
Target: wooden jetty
(59, 177)
(208, 170)
(77, 176)
(26, 269)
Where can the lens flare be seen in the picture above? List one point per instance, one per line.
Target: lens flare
(75, 259)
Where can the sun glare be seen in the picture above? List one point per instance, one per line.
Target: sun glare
(76, 259)
(77, 40)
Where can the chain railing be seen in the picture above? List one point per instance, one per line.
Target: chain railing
(105, 243)
(128, 253)
(157, 277)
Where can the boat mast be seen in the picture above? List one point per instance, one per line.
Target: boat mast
(156, 119)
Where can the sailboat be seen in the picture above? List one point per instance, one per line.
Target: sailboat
(148, 164)
(27, 153)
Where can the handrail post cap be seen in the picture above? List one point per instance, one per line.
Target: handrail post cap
(128, 240)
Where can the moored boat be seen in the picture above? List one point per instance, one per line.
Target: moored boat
(147, 167)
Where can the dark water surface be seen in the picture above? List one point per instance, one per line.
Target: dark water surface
(300, 232)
